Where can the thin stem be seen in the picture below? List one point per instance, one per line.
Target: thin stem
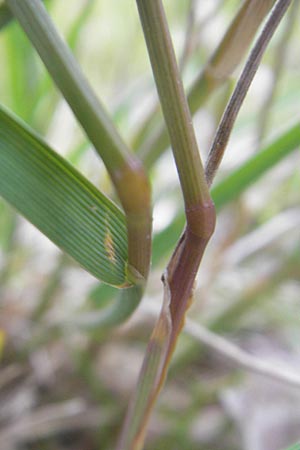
(200, 214)
(234, 354)
(224, 130)
(173, 102)
(280, 55)
(231, 49)
(218, 69)
(125, 169)
(62, 66)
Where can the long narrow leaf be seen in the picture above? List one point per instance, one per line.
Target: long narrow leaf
(251, 170)
(294, 447)
(233, 185)
(218, 69)
(123, 167)
(61, 203)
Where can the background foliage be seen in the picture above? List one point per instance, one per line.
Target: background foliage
(64, 382)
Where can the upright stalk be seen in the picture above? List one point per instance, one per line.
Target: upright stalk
(278, 66)
(216, 71)
(230, 51)
(126, 171)
(200, 215)
(225, 127)
(199, 209)
(174, 105)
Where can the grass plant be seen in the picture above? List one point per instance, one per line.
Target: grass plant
(108, 230)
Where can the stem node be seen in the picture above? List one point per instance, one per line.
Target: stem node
(201, 219)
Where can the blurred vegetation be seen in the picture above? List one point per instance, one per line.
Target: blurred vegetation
(64, 382)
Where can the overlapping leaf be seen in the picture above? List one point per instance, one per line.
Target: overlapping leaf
(61, 203)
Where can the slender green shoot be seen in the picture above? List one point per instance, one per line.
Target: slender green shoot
(126, 171)
(216, 72)
(181, 271)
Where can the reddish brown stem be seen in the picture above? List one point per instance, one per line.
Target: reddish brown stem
(184, 264)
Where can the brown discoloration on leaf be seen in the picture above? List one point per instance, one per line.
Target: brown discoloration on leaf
(109, 246)
(93, 208)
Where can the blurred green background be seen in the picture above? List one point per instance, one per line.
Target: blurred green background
(64, 384)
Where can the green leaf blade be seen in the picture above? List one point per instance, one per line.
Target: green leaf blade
(237, 182)
(294, 447)
(61, 203)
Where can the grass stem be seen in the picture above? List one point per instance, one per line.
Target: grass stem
(125, 169)
(224, 130)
